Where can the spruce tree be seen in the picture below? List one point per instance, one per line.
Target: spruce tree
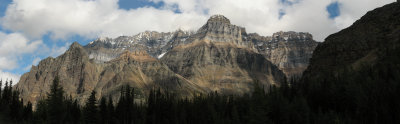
(55, 103)
(90, 111)
(1, 85)
(110, 110)
(103, 111)
(27, 114)
(40, 114)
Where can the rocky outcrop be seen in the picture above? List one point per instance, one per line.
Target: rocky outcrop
(290, 51)
(222, 67)
(219, 29)
(77, 73)
(219, 58)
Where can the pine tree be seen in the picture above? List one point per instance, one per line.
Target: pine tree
(6, 95)
(1, 85)
(125, 105)
(104, 111)
(111, 110)
(75, 112)
(40, 115)
(90, 111)
(55, 103)
(28, 114)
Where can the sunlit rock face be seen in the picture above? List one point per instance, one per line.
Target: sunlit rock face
(219, 57)
(80, 75)
(290, 51)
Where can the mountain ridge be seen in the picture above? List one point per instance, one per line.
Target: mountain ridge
(218, 57)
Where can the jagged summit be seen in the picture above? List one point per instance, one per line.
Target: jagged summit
(219, 29)
(218, 18)
(74, 45)
(76, 48)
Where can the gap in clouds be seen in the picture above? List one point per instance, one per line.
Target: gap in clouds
(134, 4)
(333, 10)
(3, 7)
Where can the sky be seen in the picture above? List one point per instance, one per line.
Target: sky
(32, 30)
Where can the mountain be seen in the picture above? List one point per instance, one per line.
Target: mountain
(79, 75)
(218, 57)
(290, 51)
(356, 71)
(370, 41)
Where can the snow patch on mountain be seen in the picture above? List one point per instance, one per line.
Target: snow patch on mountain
(161, 55)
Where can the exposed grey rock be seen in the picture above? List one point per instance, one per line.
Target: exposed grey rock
(154, 43)
(290, 51)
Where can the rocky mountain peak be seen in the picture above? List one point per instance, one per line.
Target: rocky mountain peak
(218, 18)
(219, 29)
(75, 45)
(75, 48)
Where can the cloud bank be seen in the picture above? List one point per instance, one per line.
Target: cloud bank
(12, 46)
(94, 18)
(5, 76)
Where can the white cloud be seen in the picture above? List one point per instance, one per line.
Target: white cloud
(9, 76)
(89, 18)
(7, 63)
(94, 18)
(14, 45)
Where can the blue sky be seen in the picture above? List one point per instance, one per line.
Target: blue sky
(37, 29)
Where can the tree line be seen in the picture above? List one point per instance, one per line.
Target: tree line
(370, 96)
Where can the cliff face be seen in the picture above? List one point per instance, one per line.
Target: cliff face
(219, 29)
(79, 75)
(290, 51)
(143, 72)
(218, 57)
(371, 41)
(222, 67)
